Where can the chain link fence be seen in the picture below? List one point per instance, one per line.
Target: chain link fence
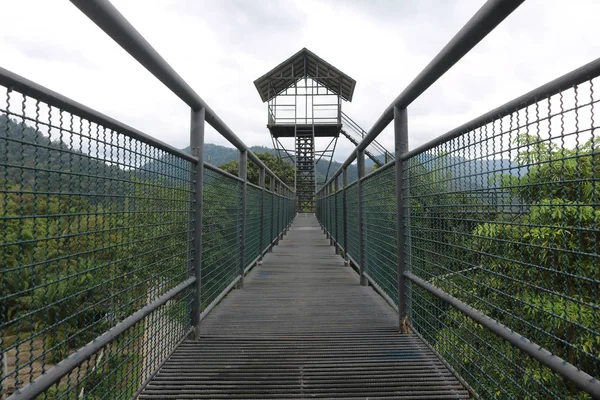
(506, 218)
(379, 224)
(352, 204)
(97, 248)
(221, 232)
(253, 224)
(94, 225)
(501, 220)
(339, 207)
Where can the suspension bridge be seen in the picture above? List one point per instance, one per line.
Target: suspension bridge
(466, 267)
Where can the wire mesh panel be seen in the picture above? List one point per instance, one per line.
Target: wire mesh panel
(291, 211)
(353, 248)
(506, 218)
(331, 222)
(319, 208)
(339, 206)
(94, 225)
(267, 210)
(380, 242)
(276, 215)
(120, 368)
(333, 214)
(253, 210)
(327, 216)
(326, 211)
(221, 232)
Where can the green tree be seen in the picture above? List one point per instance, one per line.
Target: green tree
(282, 168)
(536, 272)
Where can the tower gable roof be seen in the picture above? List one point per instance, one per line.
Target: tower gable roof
(301, 65)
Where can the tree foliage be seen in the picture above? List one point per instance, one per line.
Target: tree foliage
(282, 168)
(536, 272)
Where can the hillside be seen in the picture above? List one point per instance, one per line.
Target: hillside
(217, 155)
(56, 160)
(50, 164)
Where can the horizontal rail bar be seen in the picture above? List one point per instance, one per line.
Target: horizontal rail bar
(53, 375)
(250, 184)
(218, 299)
(383, 294)
(492, 13)
(573, 78)
(443, 361)
(114, 24)
(353, 262)
(32, 89)
(379, 170)
(160, 364)
(485, 20)
(223, 172)
(583, 381)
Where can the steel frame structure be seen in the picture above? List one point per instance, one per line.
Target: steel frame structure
(282, 205)
(304, 106)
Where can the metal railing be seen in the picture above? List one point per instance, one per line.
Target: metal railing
(114, 245)
(486, 240)
(375, 151)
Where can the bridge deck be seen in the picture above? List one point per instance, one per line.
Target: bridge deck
(303, 327)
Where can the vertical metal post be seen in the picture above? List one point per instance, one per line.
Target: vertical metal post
(197, 148)
(318, 206)
(278, 216)
(281, 210)
(275, 217)
(261, 182)
(243, 173)
(284, 210)
(334, 228)
(327, 213)
(286, 201)
(327, 210)
(360, 163)
(400, 147)
(345, 213)
(272, 191)
(323, 212)
(337, 215)
(331, 193)
(290, 212)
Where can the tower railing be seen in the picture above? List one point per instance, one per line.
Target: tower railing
(115, 245)
(486, 240)
(355, 133)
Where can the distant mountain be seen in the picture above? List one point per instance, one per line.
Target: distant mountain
(218, 155)
(52, 163)
(466, 174)
(56, 164)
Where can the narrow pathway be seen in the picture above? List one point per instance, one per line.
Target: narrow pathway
(303, 327)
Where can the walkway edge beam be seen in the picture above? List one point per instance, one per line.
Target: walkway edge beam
(584, 381)
(53, 375)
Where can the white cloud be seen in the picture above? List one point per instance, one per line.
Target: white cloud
(219, 48)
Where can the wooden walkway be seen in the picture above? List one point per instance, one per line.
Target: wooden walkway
(303, 327)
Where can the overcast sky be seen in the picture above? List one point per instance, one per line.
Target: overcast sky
(221, 46)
